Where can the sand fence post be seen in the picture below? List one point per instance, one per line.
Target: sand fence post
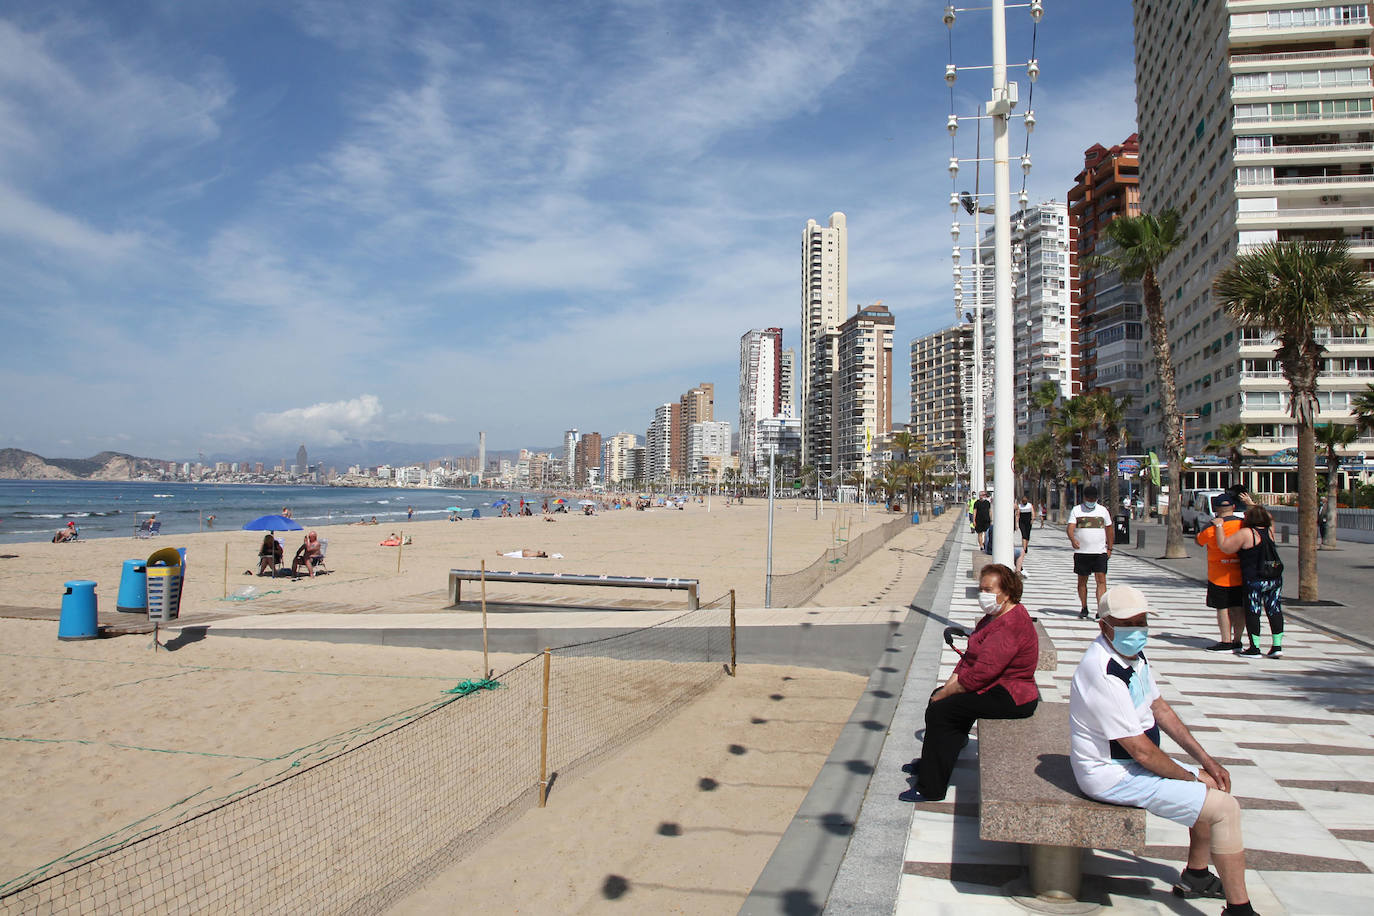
(544, 736)
(732, 632)
(400, 547)
(486, 666)
(226, 569)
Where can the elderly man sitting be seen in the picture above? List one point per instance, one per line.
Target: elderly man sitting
(1115, 716)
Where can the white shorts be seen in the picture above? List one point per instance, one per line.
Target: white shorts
(1175, 799)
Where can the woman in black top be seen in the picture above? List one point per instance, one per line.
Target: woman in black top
(1252, 543)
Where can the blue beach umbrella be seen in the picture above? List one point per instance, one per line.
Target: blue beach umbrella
(499, 503)
(273, 523)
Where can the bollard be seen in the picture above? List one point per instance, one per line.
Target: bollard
(1283, 534)
(1140, 539)
(78, 620)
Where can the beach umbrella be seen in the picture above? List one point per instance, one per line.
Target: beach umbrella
(586, 502)
(273, 523)
(453, 509)
(499, 503)
(560, 501)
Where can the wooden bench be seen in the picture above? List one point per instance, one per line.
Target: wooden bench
(1029, 796)
(457, 576)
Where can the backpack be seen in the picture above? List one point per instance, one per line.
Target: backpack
(1270, 566)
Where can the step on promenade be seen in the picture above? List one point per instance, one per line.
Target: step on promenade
(1296, 733)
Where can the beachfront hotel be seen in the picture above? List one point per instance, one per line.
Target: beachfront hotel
(760, 393)
(824, 304)
(1112, 343)
(617, 458)
(862, 387)
(939, 364)
(1255, 124)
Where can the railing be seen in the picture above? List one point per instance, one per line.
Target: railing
(1306, 150)
(1340, 212)
(1304, 180)
(1299, 55)
(1260, 374)
(1304, 116)
(1284, 87)
(1324, 24)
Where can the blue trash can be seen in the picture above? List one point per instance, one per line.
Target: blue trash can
(78, 611)
(938, 509)
(915, 518)
(133, 588)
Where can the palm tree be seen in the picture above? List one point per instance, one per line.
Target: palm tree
(1229, 440)
(1293, 289)
(1111, 419)
(1332, 437)
(924, 472)
(892, 482)
(1142, 243)
(1362, 406)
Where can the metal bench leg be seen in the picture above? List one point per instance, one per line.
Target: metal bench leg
(1056, 872)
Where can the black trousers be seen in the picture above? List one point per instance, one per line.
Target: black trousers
(948, 723)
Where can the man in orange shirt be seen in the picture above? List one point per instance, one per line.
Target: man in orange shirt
(1225, 587)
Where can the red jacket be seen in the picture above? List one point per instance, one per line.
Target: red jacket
(1002, 651)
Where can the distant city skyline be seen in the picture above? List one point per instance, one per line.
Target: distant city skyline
(231, 229)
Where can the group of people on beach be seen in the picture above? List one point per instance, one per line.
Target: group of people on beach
(309, 556)
(1116, 711)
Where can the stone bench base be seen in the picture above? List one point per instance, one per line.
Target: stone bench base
(1029, 796)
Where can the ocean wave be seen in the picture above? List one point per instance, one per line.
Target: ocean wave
(164, 496)
(35, 515)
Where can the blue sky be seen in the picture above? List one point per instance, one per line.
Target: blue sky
(232, 226)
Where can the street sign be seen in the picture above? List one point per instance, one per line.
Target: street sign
(796, 484)
(1127, 466)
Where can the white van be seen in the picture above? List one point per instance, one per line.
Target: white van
(1197, 509)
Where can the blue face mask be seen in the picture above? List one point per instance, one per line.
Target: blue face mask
(1089, 506)
(1129, 640)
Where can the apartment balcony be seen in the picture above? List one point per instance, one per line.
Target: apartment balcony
(1333, 216)
(1313, 154)
(1279, 92)
(1250, 36)
(1303, 185)
(1323, 121)
(1297, 60)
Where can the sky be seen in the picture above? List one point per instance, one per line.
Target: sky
(232, 226)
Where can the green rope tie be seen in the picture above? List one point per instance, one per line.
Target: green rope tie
(472, 686)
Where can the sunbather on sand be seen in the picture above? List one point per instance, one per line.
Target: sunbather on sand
(526, 552)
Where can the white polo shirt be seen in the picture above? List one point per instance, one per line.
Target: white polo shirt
(1090, 528)
(1110, 699)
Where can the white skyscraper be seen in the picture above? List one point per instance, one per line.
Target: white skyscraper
(659, 443)
(481, 454)
(760, 392)
(570, 454)
(708, 445)
(824, 305)
(1255, 125)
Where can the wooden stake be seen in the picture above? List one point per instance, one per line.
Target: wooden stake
(399, 547)
(486, 666)
(544, 736)
(732, 632)
(226, 569)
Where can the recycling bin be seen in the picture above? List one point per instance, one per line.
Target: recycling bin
(78, 611)
(133, 588)
(164, 575)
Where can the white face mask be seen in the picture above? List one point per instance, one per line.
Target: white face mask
(988, 602)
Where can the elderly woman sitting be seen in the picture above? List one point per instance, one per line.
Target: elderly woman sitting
(995, 679)
(269, 555)
(308, 555)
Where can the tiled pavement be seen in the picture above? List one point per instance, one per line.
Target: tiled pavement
(1297, 734)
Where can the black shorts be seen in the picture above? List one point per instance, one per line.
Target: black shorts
(1025, 530)
(981, 527)
(1085, 563)
(1220, 596)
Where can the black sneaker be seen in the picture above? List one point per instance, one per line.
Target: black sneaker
(1223, 647)
(1227, 911)
(1252, 651)
(914, 796)
(1276, 652)
(1187, 886)
(910, 768)
(1083, 614)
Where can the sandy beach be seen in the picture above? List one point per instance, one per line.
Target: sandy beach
(99, 733)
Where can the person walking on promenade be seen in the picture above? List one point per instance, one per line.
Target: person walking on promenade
(995, 679)
(1025, 515)
(982, 518)
(1115, 716)
(1262, 571)
(1225, 587)
(1092, 535)
(1323, 519)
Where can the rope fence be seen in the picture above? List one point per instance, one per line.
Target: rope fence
(795, 589)
(355, 822)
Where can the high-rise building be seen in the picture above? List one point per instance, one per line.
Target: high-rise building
(1111, 329)
(616, 458)
(1043, 331)
(660, 443)
(787, 378)
(302, 462)
(862, 387)
(481, 452)
(697, 405)
(824, 304)
(570, 454)
(1255, 125)
(587, 463)
(760, 391)
(939, 362)
(708, 446)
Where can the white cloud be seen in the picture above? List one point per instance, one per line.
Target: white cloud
(327, 423)
(30, 221)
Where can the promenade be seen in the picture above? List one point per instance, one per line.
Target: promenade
(1296, 733)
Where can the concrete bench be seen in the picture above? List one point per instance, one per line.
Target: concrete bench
(1029, 796)
(976, 561)
(1048, 659)
(457, 576)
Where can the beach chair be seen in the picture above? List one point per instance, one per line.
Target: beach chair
(319, 561)
(148, 530)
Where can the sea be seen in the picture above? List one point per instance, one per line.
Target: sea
(31, 510)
